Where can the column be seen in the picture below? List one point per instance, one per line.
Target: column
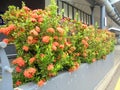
(92, 15)
(102, 17)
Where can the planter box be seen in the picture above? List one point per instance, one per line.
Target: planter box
(85, 78)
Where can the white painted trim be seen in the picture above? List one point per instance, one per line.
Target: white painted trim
(113, 28)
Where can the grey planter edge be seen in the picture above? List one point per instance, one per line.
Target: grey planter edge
(85, 78)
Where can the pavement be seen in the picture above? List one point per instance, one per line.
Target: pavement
(111, 81)
(114, 84)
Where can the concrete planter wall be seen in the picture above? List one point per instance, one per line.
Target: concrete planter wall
(85, 78)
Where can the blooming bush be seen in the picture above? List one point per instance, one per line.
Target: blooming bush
(46, 43)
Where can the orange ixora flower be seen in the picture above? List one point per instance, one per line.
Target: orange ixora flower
(85, 54)
(45, 39)
(12, 27)
(18, 83)
(86, 38)
(35, 40)
(84, 26)
(41, 82)
(34, 15)
(42, 55)
(19, 61)
(33, 20)
(50, 74)
(60, 30)
(50, 67)
(34, 32)
(72, 69)
(26, 8)
(94, 60)
(30, 39)
(54, 48)
(37, 29)
(51, 30)
(29, 73)
(56, 44)
(75, 67)
(55, 37)
(25, 48)
(31, 60)
(40, 19)
(7, 30)
(61, 46)
(67, 43)
(18, 69)
(85, 43)
(5, 40)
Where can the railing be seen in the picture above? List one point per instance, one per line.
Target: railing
(70, 11)
(1, 20)
(6, 82)
(7, 53)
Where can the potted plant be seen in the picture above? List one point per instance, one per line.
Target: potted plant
(48, 44)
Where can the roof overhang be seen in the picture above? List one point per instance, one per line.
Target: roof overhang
(114, 1)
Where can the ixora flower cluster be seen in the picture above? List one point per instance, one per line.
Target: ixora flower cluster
(46, 43)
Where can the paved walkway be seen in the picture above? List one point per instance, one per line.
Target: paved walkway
(115, 80)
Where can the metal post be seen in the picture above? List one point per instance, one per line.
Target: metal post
(68, 10)
(58, 6)
(102, 17)
(63, 8)
(92, 15)
(72, 12)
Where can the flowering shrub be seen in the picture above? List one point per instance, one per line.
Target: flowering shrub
(47, 43)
